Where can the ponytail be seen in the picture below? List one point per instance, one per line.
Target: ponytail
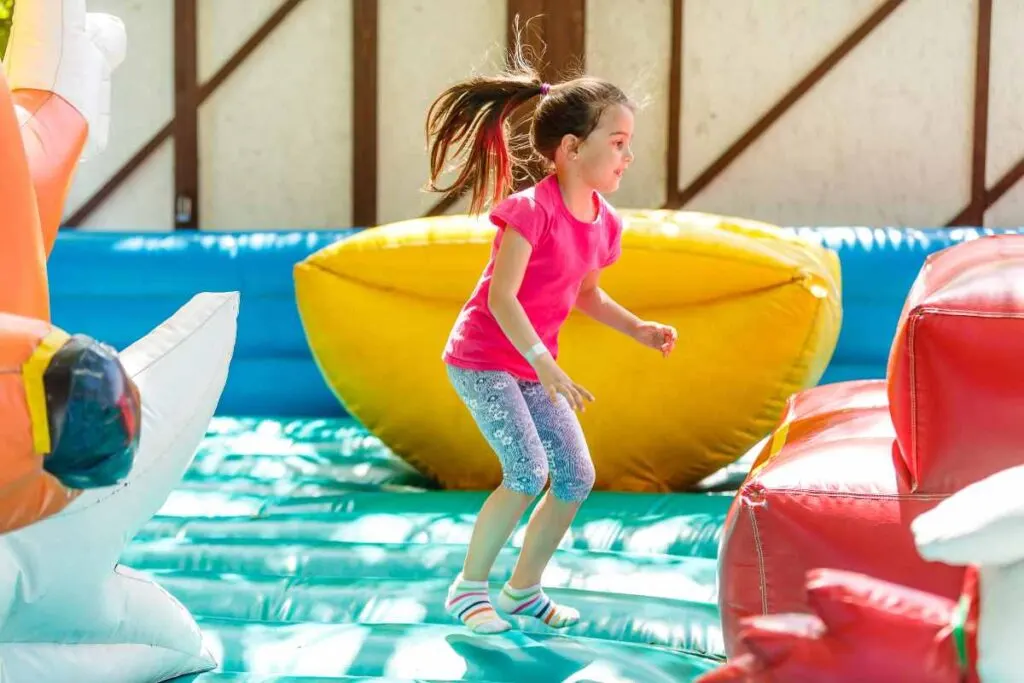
(471, 118)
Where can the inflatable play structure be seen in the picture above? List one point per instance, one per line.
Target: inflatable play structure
(751, 301)
(856, 469)
(861, 626)
(50, 406)
(304, 547)
(93, 440)
(285, 507)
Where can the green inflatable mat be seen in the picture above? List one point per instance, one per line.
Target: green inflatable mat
(309, 553)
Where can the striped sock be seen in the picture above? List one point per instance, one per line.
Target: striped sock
(534, 602)
(469, 602)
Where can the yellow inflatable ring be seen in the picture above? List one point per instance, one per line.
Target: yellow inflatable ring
(758, 312)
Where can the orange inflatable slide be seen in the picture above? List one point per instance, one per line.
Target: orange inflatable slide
(69, 415)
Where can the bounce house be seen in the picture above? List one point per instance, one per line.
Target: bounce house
(860, 626)
(752, 300)
(94, 439)
(851, 480)
(234, 457)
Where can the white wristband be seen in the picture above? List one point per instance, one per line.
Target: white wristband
(535, 351)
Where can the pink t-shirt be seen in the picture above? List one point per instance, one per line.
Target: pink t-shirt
(565, 250)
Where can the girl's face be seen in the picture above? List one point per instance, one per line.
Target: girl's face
(605, 155)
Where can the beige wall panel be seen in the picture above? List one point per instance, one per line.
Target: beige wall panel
(883, 139)
(740, 57)
(142, 102)
(425, 46)
(641, 68)
(225, 25)
(144, 202)
(1006, 92)
(275, 139)
(1008, 212)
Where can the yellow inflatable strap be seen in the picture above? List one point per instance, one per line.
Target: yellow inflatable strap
(35, 392)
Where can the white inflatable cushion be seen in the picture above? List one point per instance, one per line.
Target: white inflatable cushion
(67, 611)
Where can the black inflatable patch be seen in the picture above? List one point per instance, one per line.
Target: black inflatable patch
(95, 415)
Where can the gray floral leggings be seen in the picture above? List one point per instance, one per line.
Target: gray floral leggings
(529, 433)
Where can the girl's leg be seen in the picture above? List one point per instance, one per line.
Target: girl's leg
(497, 405)
(572, 478)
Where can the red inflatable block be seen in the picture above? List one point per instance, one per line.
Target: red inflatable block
(831, 490)
(955, 370)
(860, 629)
(853, 464)
(810, 412)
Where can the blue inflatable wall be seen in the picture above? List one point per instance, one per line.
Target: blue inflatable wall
(879, 266)
(117, 287)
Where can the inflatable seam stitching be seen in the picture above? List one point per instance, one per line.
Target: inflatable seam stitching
(870, 496)
(920, 312)
(760, 559)
(183, 340)
(912, 379)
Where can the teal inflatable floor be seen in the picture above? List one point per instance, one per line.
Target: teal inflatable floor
(308, 552)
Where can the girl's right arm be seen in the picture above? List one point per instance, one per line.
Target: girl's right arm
(502, 299)
(509, 268)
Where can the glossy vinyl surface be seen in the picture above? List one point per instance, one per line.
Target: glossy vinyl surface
(308, 552)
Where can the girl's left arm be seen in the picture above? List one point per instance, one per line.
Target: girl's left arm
(597, 304)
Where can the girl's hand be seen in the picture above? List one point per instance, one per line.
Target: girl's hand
(555, 381)
(657, 336)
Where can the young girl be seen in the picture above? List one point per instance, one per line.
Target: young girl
(552, 241)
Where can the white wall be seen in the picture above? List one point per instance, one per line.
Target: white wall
(275, 140)
(142, 104)
(884, 139)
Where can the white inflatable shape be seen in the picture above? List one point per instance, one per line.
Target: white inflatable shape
(56, 46)
(68, 612)
(980, 524)
(983, 525)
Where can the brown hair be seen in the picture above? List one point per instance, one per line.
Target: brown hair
(473, 118)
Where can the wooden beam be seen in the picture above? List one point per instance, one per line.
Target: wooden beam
(558, 30)
(529, 15)
(974, 212)
(186, 116)
(442, 206)
(675, 100)
(535, 33)
(122, 174)
(992, 195)
(364, 112)
(553, 29)
(205, 90)
(565, 32)
(1004, 184)
(681, 197)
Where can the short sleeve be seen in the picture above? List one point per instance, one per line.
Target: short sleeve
(521, 213)
(614, 250)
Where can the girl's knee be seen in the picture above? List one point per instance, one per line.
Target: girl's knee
(576, 484)
(528, 481)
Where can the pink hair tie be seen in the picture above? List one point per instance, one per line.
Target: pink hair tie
(545, 88)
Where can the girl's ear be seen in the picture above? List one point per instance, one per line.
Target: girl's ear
(569, 145)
